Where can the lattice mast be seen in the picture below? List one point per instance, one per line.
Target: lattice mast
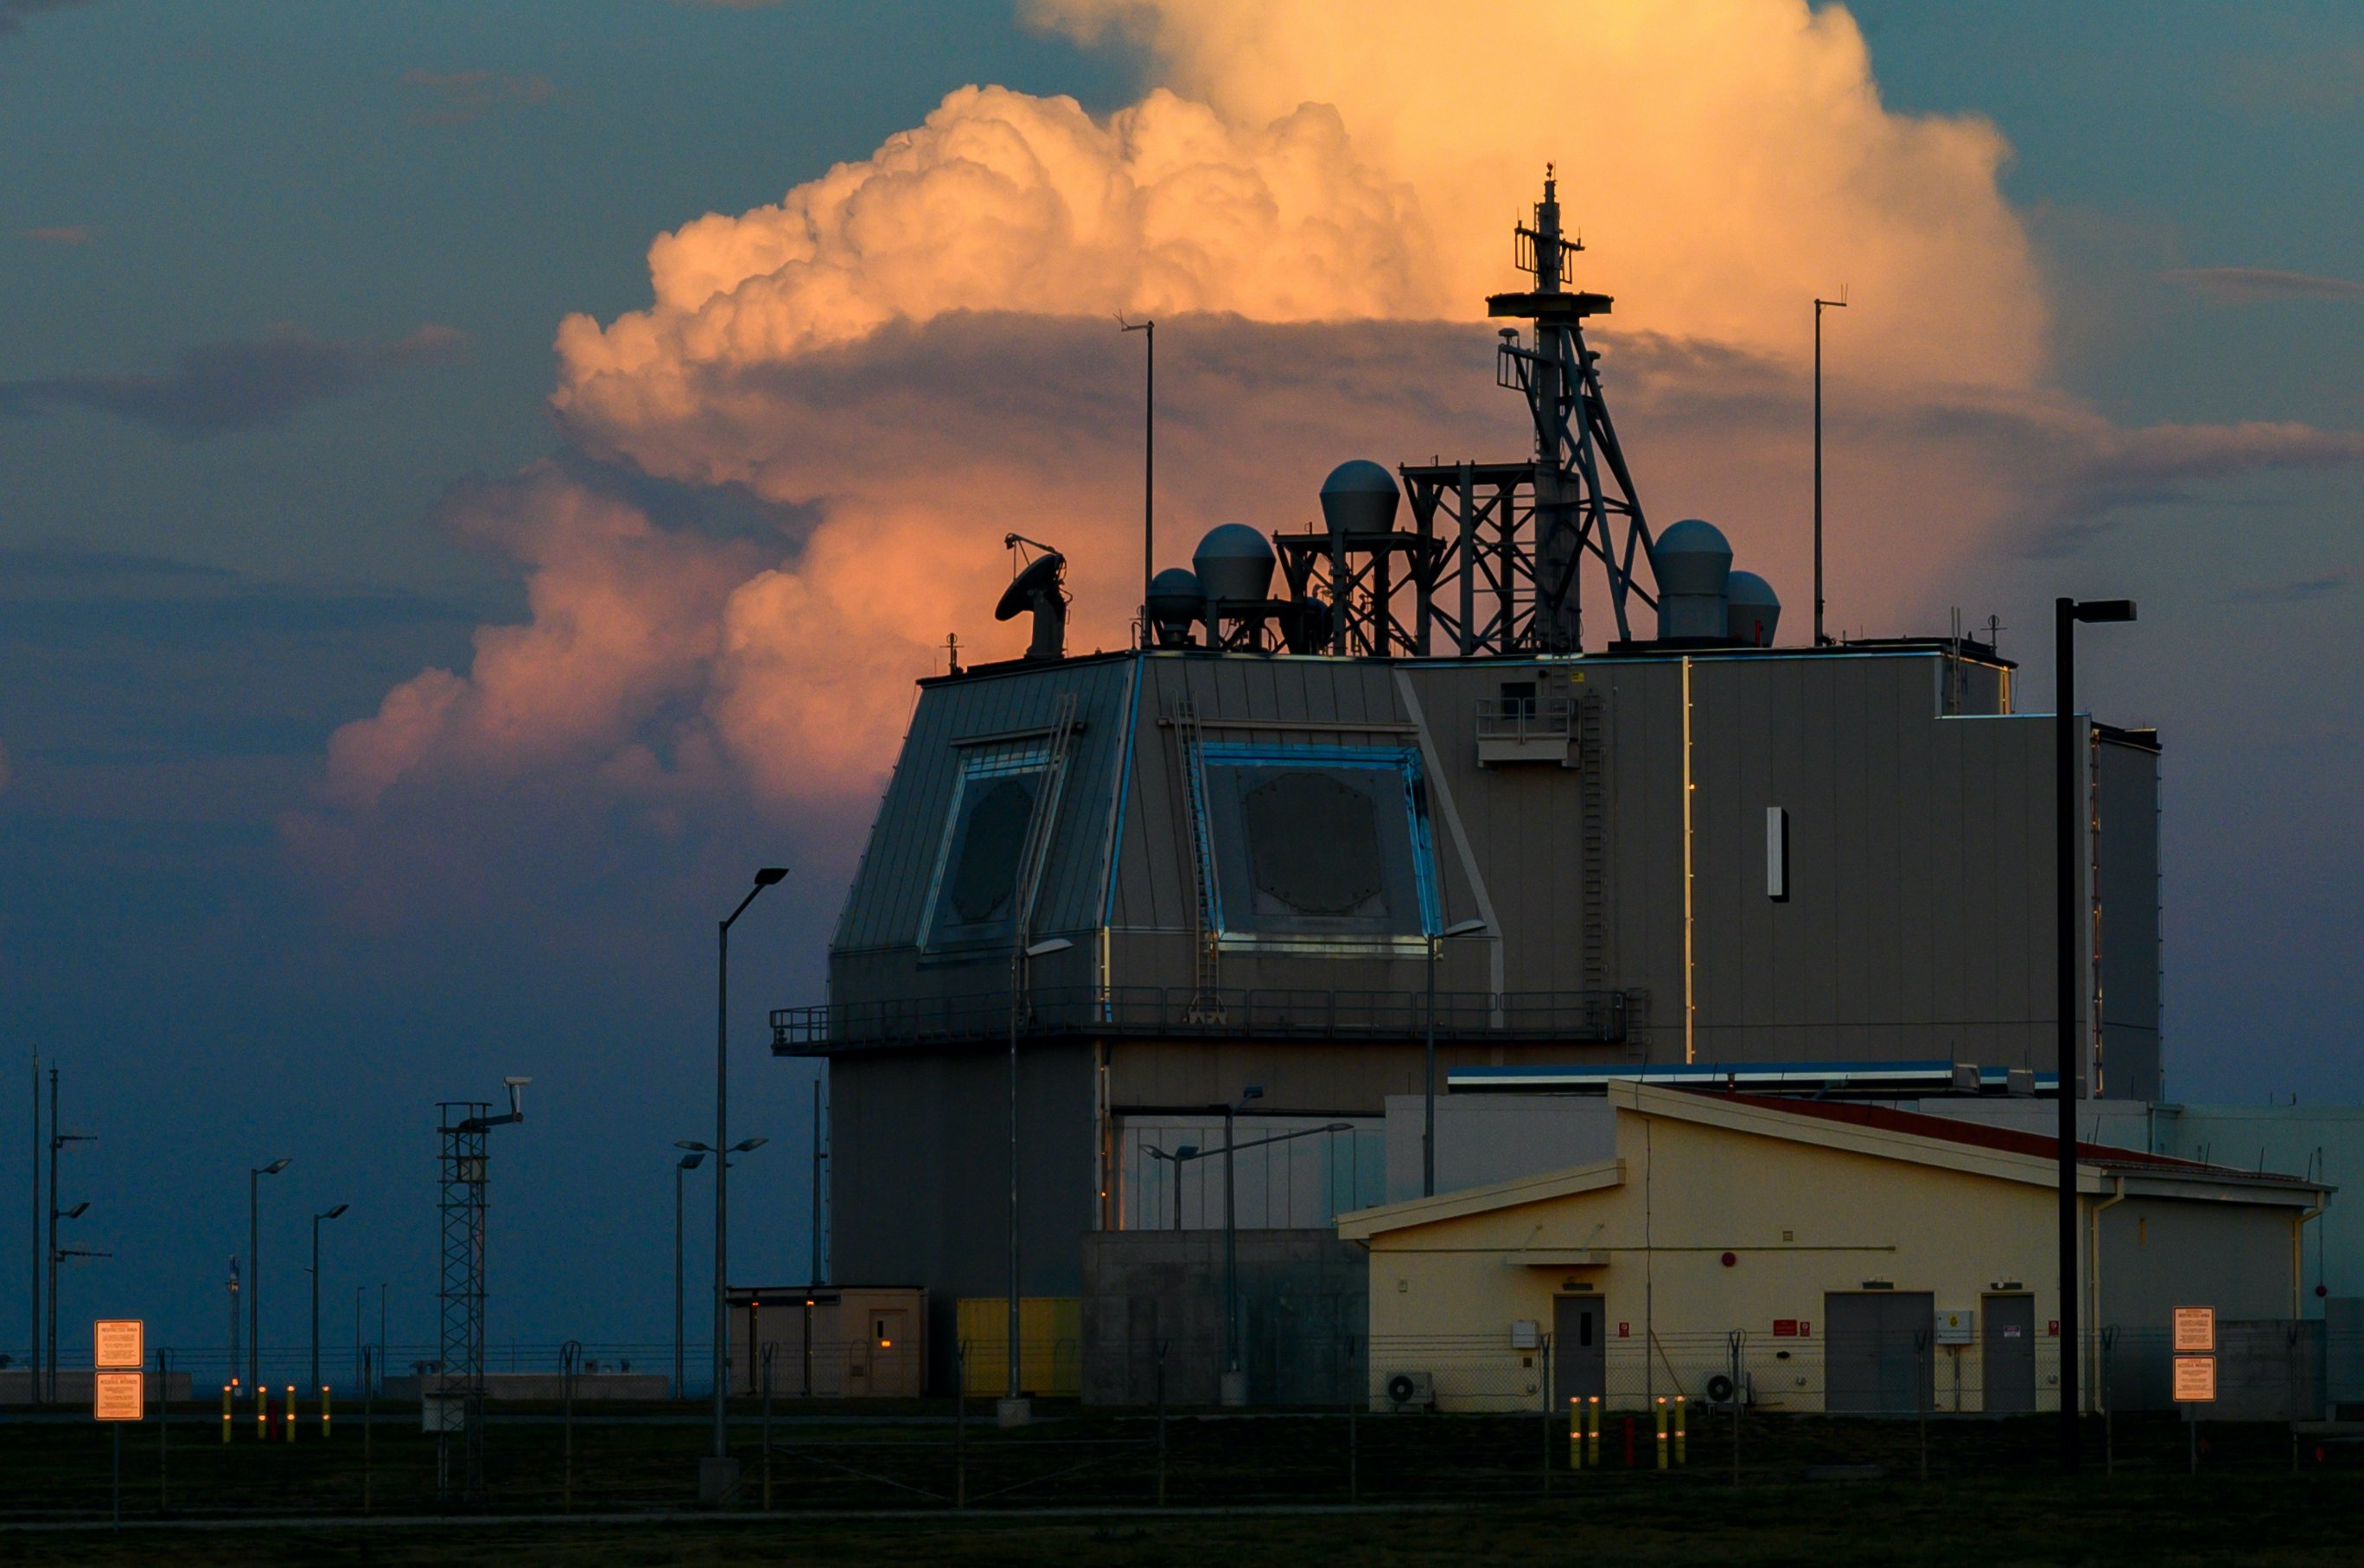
(1509, 539)
(465, 1206)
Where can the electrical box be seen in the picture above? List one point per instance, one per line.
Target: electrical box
(1526, 1334)
(1955, 1325)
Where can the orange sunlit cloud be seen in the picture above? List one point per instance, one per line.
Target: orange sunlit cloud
(914, 353)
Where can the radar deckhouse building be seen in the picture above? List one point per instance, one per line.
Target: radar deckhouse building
(1399, 758)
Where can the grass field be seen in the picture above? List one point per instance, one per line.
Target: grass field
(1464, 1490)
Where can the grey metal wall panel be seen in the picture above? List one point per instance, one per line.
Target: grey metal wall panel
(920, 1178)
(2129, 873)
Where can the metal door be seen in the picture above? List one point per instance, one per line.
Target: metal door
(1878, 1351)
(1580, 1349)
(2010, 1347)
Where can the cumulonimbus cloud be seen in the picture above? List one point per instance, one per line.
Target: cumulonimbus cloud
(245, 384)
(915, 354)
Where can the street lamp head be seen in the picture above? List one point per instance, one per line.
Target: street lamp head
(1253, 1092)
(748, 1145)
(2104, 610)
(274, 1167)
(692, 1143)
(336, 1211)
(1048, 946)
(76, 1212)
(1185, 1151)
(691, 1162)
(1340, 1127)
(1464, 929)
(770, 875)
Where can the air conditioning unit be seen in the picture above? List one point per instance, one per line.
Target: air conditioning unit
(1411, 1391)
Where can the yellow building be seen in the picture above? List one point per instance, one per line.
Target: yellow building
(1813, 1256)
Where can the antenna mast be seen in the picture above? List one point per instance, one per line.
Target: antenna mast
(1514, 536)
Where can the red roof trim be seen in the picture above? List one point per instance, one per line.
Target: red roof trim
(1948, 1129)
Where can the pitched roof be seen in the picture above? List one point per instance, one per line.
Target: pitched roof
(1980, 1135)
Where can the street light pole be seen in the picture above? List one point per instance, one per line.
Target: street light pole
(1021, 976)
(1232, 1380)
(2068, 778)
(254, 1271)
(1428, 1075)
(764, 879)
(722, 1162)
(1820, 306)
(1148, 468)
(686, 1162)
(331, 1214)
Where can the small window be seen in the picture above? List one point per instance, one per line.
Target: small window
(1776, 855)
(1519, 699)
(1584, 1330)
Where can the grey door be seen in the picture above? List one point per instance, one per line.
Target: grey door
(1878, 1351)
(2008, 1340)
(1580, 1350)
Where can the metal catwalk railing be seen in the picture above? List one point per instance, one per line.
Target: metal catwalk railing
(1592, 1017)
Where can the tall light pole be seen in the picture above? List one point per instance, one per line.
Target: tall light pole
(254, 1271)
(1233, 1387)
(327, 1214)
(764, 879)
(1148, 467)
(1428, 1074)
(813, 1273)
(1821, 305)
(689, 1161)
(686, 1162)
(1020, 978)
(2067, 799)
(33, 1323)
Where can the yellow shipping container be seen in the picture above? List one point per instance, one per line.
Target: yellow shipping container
(1050, 1345)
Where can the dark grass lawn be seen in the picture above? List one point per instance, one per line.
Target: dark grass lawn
(1478, 1484)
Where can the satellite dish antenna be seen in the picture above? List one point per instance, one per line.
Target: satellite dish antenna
(1037, 589)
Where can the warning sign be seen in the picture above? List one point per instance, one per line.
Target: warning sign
(2196, 1380)
(119, 1343)
(2195, 1331)
(118, 1396)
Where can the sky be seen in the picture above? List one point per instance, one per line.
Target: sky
(475, 481)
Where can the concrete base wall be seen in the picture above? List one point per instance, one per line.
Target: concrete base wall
(1304, 1299)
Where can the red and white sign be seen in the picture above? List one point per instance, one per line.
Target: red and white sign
(2052, 1327)
(1624, 1330)
(1785, 1328)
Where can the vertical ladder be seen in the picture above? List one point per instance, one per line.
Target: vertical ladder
(1592, 797)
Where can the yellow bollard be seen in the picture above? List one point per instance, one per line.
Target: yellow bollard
(1662, 1431)
(263, 1411)
(228, 1388)
(289, 1421)
(1680, 1407)
(1592, 1432)
(324, 1410)
(1575, 1432)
